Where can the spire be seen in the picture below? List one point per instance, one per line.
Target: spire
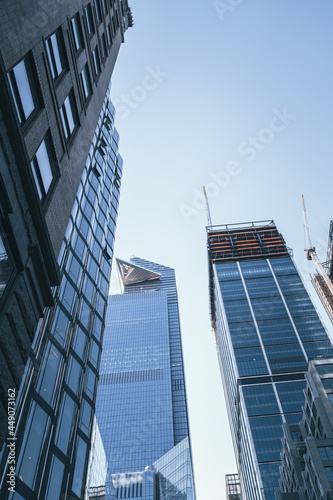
(130, 273)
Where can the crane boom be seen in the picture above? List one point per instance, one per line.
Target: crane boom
(311, 252)
(207, 208)
(307, 230)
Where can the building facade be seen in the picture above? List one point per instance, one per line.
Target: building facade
(141, 404)
(56, 61)
(320, 285)
(56, 401)
(233, 487)
(307, 455)
(267, 330)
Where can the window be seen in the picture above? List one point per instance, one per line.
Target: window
(98, 11)
(105, 10)
(103, 45)
(113, 26)
(41, 166)
(56, 54)
(97, 63)
(77, 32)
(108, 34)
(68, 118)
(6, 267)
(78, 482)
(65, 423)
(329, 472)
(32, 446)
(53, 490)
(89, 19)
(47, 382)
(85, 82)
(23, 89)
(326, 452)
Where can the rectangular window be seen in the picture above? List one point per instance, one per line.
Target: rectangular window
(32, 446)
(113, 26)
(85, 417)
(23, 90)
(78, 482)
(56, 54)
(108, 34)
(105, 10)
(6, 267)
(68, 116)
(53, 490)
(103, 45)
(65, 423)
(89, 19)
(48, 379)
(98, 11)
(329, 472)
(97, 63)
(76, 32)
(42, 170)
(85, 82)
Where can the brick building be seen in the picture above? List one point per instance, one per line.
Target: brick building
(56, 62)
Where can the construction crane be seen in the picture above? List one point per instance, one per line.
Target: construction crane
(207, 208)
(323, 287)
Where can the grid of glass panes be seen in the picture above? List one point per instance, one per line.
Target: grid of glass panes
(167, 282)
(63, 388)
(166, 407)
(134, 401)
(175, 474)
(267, 339)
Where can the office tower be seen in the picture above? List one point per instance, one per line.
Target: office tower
(55, 405)
(56, 62)
(141, 403)
(266, 330)
(233, 488)
(307, 456)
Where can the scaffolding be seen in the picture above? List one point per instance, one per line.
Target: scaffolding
(320, 283)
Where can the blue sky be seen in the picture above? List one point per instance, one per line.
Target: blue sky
(235, 95)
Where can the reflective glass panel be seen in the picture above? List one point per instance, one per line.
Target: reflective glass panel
(250, 361)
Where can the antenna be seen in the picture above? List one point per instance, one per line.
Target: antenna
(207, 208)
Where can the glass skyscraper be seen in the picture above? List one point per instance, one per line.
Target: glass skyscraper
(55, 405)
(267, 330)
(141, 403)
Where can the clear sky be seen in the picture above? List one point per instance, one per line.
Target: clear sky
(235, 95)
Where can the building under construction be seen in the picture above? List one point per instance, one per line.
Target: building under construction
(320, 283)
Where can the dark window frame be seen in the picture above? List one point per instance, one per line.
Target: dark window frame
(104, 50)
(89, 20)
(44, 196)
(76, 29)
(86, 83)
(96, 59)
(98, 12)
(34, 90)
(62, 55)
(64, 117)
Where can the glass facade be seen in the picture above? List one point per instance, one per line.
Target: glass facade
(55, 407)
(267, 329)
(141, 403)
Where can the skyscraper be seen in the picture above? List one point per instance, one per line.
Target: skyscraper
(141, 404)
(56, 401)
(307, 456)
(266, 330)
(56, 62)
